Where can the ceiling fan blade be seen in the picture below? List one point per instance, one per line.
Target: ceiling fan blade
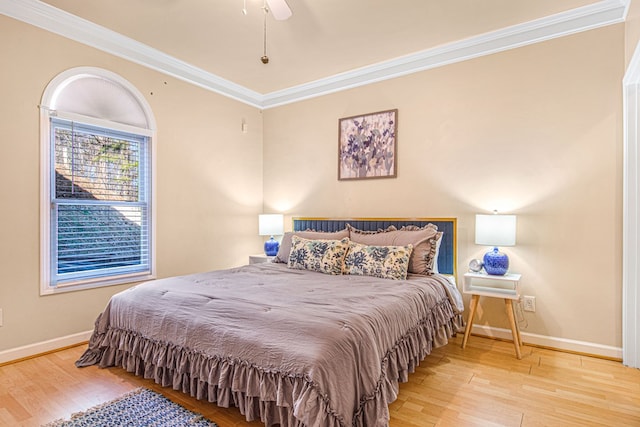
(279, 9)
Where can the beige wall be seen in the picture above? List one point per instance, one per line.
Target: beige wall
(209, 180)
(534, 131)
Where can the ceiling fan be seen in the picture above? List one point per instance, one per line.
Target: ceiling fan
(280, 11)
(278, 8)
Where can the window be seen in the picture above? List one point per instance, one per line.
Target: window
(97, 213)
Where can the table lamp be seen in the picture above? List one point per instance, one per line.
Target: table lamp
(271, 225)
(496, 230)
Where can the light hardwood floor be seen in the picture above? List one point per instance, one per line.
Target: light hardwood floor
(482, 385)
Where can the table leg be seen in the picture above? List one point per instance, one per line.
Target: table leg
(513, 308)
(472, 312)
(514, 327)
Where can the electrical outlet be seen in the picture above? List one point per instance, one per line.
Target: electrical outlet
(0, 317)
(529, 303)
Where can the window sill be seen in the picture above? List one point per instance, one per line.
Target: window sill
(94, 283)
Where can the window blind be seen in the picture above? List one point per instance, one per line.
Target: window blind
(100, 208)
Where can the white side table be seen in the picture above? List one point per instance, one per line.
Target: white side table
(506, 287)
(257, 259)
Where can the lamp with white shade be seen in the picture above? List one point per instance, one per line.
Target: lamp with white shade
(271, 225)
(496, 230)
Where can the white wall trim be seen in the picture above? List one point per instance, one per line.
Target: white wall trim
(47, 17)
(43, 347)
(562, 344)
(630, 215)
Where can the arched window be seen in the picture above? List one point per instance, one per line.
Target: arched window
(97, 136)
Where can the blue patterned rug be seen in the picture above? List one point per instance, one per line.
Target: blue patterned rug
(138, 408)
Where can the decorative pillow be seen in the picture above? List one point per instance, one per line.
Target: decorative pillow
(324, 256)
(423, 240)
(285, 245)
(387, 262)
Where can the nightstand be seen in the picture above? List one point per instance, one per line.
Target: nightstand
(506, 287)
(258, 259)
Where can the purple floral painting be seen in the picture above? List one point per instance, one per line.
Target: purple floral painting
(368, 146)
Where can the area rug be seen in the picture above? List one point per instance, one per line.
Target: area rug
(138, 408)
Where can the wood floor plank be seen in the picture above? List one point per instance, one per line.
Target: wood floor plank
(481, 385)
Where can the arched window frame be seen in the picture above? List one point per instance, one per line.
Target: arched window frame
(108, 116)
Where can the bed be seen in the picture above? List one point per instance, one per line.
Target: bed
(321, 338)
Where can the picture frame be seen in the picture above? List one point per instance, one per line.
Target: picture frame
(368, 146)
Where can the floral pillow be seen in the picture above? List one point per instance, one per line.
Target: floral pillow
(423, 240)
(324, 256)
(285, 245)
(387, 262)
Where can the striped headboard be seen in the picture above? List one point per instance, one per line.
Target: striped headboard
(446, 257)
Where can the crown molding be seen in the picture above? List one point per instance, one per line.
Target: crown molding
(57, 21)
(585, 18)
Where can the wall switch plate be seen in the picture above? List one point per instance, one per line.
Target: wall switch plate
(529, 303)
(0, 317)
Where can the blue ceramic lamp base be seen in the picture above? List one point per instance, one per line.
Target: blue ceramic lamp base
(271, 247)
(496, 263)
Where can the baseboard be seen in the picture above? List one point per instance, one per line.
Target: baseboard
(555, 343)
(14, 354)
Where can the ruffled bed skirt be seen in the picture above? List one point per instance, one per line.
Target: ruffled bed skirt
(270, 396)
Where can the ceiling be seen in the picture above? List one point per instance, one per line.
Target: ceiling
(323, 47)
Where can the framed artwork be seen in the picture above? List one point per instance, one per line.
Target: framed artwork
(368, 146)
